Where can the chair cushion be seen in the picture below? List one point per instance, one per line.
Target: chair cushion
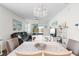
(73, 45)
(12, 44)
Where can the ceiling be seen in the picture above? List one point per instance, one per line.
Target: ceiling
(26, 9)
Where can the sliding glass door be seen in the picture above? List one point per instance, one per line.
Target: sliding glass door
(37, 29)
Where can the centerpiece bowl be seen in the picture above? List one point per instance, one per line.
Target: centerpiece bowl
(40, 46)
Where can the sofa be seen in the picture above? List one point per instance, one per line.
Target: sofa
(22, 36)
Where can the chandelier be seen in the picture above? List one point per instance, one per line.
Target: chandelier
(40, 12)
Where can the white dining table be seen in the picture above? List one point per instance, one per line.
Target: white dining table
(29, 46)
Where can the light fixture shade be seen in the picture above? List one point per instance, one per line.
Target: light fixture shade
(40, 12)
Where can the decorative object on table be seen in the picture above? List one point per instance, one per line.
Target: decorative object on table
(33, 38)
(48, 38)
(40, 46)
(17, 25)
(58, 39)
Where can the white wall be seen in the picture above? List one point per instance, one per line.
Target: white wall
(32, 21)
(70, 14)
(6, 18)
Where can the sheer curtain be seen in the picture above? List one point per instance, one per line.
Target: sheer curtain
(28, 28)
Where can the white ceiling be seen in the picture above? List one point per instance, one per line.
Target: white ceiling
(26, 9)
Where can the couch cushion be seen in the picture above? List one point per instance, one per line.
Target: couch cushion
(73, 45)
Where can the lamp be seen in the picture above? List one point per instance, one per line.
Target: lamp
(40, 12)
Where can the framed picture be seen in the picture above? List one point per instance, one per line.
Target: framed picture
(17, 25)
